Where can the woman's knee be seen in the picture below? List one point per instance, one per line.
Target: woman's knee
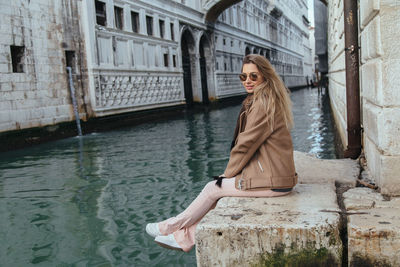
(211, 190)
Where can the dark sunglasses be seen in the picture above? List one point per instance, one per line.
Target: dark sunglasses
(252, 75)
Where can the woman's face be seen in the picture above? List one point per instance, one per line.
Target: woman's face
(250, 77)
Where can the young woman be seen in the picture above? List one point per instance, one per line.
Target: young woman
(261, 158)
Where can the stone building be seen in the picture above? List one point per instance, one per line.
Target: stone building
(38, 39)
(134, 55)
(379, 34)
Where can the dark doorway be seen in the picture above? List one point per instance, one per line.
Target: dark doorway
(203, 69)
(187, 43)
(247, 51)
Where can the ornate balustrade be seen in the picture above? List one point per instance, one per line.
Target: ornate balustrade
(114, 91)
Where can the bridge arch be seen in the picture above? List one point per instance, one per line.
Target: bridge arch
(206, 60)
(188, 55)
(216, 7)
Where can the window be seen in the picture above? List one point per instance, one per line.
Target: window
(101, 17)
(166, 60)
(118, 17)
(174, 61)
(70, 59)
(172, 31)
(135, 21)
(17, 58)
(224, 41)
(162, 28)
(149, 24)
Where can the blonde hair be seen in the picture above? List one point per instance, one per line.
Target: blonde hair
(272, 92)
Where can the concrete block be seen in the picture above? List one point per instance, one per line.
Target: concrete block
(391, 82)
(371, 116)
(5, 105)
(60, 119)
(326, 171)
(371, 37)
(372, 155)
(361, 198)
(4, 116)
(257, 231)
(390, 175)
(5, 86)
(373, 234)
(390, 34)
(371, 81)
(368, 10)
(389, 126)
(382, 125)
(338, 77)
(8, 126)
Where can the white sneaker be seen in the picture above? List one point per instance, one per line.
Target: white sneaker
(152, 229)
(168, 242)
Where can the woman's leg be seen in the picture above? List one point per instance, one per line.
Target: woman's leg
(183, 226)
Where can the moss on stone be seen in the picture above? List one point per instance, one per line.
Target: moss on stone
(304, 257)
(365, 261)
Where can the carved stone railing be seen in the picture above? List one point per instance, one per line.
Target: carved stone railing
(114, 91)
(229, 84)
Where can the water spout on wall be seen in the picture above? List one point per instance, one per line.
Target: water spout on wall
(73, 98)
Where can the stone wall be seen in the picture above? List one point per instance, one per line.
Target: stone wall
(336, 60)
(379, 85)
(35, 38)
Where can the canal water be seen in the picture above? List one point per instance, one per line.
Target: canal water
(85, 201)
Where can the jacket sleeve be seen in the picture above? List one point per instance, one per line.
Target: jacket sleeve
(256, 131)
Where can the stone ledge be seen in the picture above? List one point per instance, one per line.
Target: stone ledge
(322, 171)
(373, 228)
(302, 227)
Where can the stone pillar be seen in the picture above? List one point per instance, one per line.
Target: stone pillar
(127, 18)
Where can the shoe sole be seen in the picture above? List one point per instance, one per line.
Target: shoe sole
(167, 246)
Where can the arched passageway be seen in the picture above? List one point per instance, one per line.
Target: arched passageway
(187, 47)
(205, 53)
(216, 7)
(247, 51)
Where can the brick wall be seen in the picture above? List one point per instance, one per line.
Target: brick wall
(35, 93)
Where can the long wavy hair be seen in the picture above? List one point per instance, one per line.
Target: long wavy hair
(272, 92)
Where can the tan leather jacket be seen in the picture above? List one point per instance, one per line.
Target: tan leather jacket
(262, 157)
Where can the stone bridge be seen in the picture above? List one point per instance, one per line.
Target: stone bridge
(213, 8)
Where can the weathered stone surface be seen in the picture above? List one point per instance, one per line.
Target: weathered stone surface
(258, 231)
(373, 232)
(313, 170)
(361, 198)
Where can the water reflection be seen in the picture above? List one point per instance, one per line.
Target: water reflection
(84, 201)
(313, 132)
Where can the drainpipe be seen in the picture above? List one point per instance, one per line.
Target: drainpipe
(352, 80)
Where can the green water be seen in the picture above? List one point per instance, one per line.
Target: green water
(85, 201)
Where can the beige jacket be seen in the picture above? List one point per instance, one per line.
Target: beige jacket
(262, 157)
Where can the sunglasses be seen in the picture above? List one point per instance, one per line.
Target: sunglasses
(252, 75)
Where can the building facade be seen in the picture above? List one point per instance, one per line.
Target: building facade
(378, 27)
(134, 55)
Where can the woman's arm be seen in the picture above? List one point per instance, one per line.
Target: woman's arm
(257, 130)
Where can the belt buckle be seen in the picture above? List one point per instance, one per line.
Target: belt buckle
(240, 184)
